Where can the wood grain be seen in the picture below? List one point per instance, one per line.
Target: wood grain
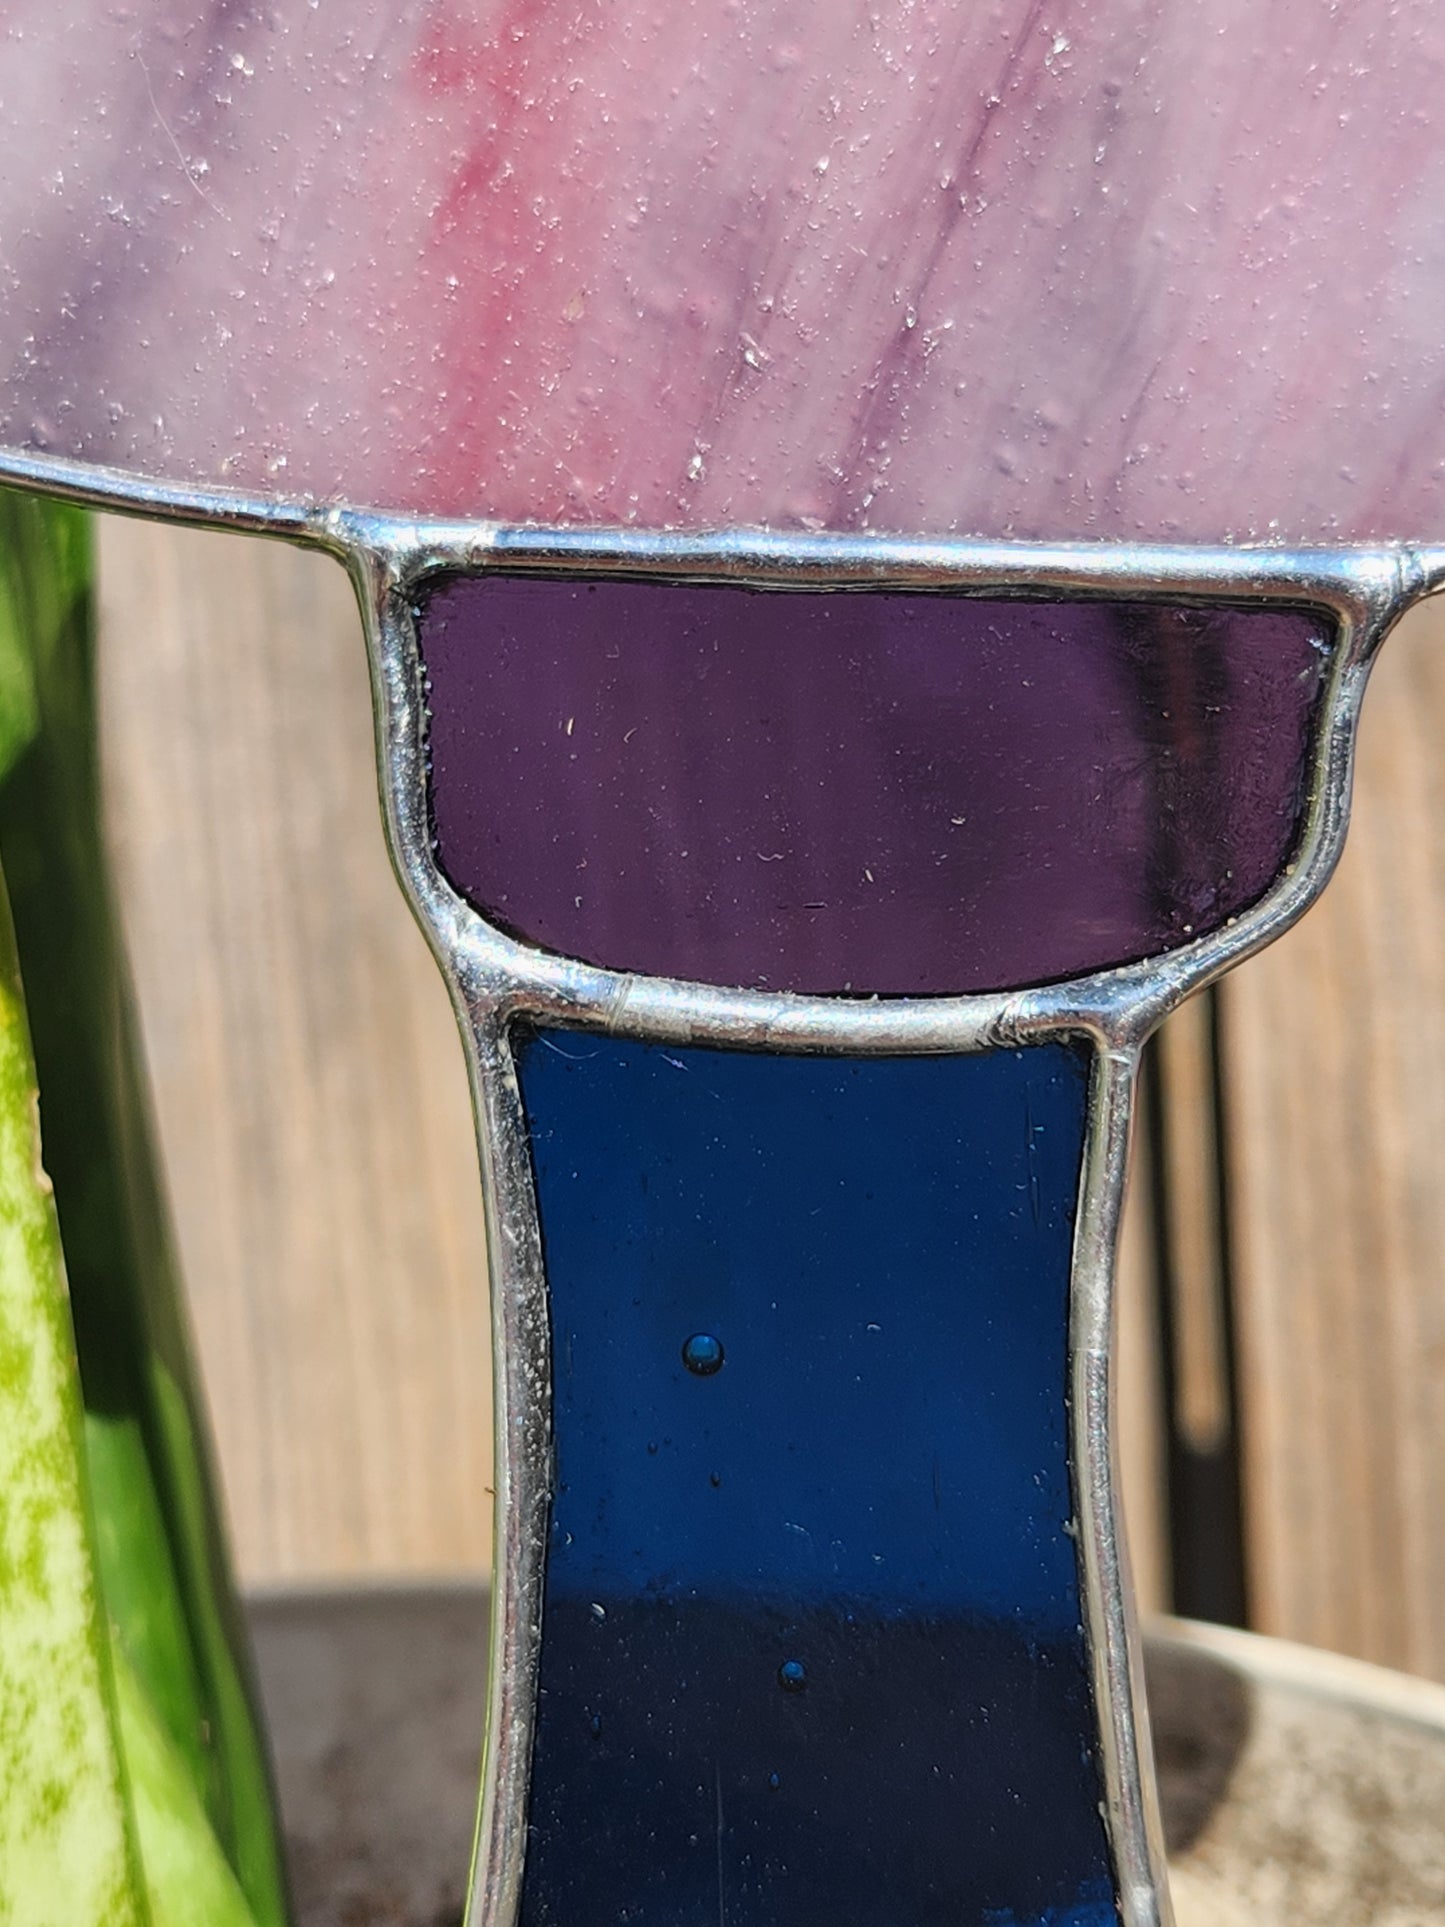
(308, 1080)
(1335, 1058)
(1139, 1391)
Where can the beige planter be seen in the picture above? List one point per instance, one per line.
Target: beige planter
(1297, 1787)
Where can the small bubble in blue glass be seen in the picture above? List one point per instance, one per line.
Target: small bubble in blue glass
(703, 1354)
(775, 1780)
(792, 1676)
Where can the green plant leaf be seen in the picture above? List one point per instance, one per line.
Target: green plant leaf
(189, 1881)
(67, 1846)
(188, 1700)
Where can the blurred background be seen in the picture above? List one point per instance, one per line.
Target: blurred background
(1283, 1306)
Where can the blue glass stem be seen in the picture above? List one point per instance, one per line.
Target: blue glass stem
(811, 1644)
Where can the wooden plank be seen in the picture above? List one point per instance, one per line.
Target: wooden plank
(1335, 1055)
(1139, 1391)
(308, 1079)
(1198, 1399)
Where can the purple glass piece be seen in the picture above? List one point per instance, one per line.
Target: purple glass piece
(874, 791)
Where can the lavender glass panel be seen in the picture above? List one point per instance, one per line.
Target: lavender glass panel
(869, 792)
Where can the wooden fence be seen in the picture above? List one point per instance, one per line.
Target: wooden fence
(1283, 1355)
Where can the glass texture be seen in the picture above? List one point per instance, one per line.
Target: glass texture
(810, 1646)
(1093, 270)
(861, 791)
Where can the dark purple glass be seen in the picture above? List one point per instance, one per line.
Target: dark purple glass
(866, 791)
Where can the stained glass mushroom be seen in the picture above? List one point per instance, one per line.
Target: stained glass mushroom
(872, 525)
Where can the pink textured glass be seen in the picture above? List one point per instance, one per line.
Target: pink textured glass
(866, 791)
(1091, 270)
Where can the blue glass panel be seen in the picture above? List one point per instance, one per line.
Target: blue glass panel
(811, 1643)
